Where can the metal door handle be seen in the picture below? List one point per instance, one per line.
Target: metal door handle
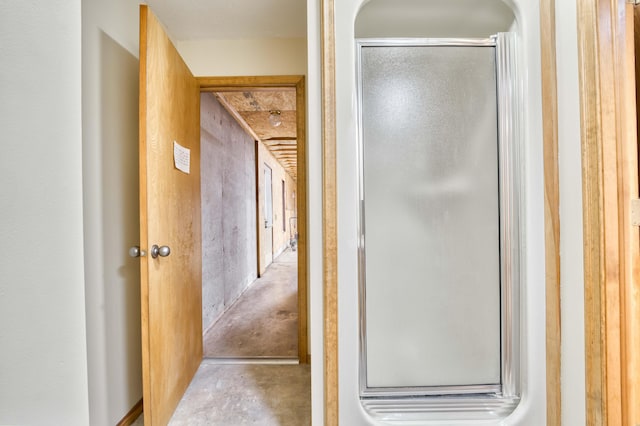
(162, 251)
(136, 252)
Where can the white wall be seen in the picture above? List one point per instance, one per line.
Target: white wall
(43, 369)
(444, 18)
(571, 243)
(111, 212)
(314, 211)
(242, 57)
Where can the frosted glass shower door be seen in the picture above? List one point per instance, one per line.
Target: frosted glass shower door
(430, 218)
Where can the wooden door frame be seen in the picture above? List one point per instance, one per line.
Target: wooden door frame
(212, 84)
(263, 169)
(551, 210)
(610, 182)
(329, 211)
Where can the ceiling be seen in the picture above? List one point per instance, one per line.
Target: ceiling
(252, 108)
(245, 19)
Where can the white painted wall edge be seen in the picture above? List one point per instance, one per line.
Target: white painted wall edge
(314, 209)
(571, 233)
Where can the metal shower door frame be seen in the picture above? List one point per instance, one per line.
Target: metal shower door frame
(478, 401)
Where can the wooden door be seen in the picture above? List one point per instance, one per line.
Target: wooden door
(169, 216)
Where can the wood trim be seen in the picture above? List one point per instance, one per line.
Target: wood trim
(329, 213)
(551, 209)
(610, 180)
(258, 221)
(297, 83)
(250, 89)
(210, 84)
(144, 272)
(132, 415)
(628, 159)
(632, 288)
(301, 199)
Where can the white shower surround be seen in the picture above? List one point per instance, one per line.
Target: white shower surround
(532, 408)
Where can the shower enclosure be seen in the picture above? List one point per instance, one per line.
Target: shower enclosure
(440, 267)
(438, 224)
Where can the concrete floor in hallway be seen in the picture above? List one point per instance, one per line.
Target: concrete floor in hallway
(262, 323)
(246, 394)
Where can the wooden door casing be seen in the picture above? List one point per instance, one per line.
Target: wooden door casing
(212, 84)
(610, 181)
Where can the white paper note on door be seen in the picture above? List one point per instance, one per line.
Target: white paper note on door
(181, 157)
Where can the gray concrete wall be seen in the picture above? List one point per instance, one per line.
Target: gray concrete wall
(229, 247)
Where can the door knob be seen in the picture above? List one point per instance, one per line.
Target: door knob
(136, 252)
(162, 251)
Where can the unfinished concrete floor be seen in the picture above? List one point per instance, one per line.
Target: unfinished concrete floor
(263, 322)
(246, 394)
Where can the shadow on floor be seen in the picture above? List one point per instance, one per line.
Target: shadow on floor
(246, 394)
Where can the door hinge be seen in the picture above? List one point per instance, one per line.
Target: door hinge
(635, 212)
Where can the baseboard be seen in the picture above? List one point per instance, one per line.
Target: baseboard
(132, 415)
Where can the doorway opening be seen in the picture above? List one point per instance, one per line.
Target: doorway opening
(253, 234)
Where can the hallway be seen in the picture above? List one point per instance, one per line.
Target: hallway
(229, 389)
(263, 322)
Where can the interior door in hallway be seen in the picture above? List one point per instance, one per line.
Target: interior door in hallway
(171, 290)
(268, 215)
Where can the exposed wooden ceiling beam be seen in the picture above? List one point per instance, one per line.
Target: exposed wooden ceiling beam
(282, 148)
(280, 139)
(279, 142)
